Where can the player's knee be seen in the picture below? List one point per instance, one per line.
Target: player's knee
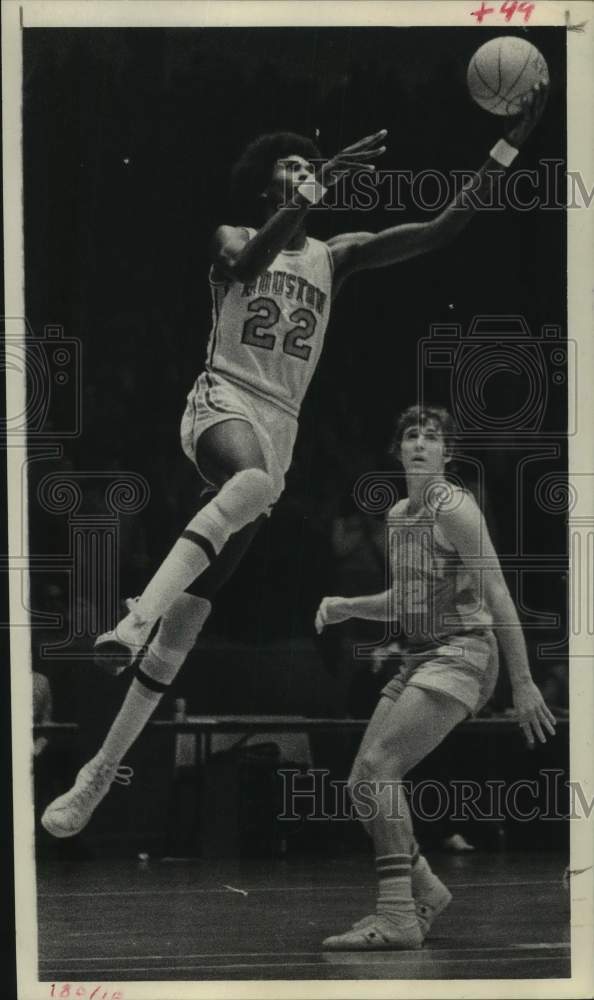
(241, 501)
(380, 762)
(244, 497)
(179, 628)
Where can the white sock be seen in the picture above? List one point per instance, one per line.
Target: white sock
(422, 876)
(191, 554)
(395, 900)
(176, 636)
(138, 706)
(241, 500)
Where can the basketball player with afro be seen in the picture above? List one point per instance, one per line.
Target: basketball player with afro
(447, 592)
(272, 289)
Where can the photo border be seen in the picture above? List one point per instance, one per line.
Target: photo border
(577, 17)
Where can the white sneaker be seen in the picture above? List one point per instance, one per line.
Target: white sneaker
(431, 898)
(430, 903)
(428, 907)
(430, 894)
(69, 813)
(377, 933)
(116, 650)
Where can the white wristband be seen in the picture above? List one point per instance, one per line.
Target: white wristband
(503, 153)
(312, 191)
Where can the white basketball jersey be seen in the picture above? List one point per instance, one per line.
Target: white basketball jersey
(268, 335)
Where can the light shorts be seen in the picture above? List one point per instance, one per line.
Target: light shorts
(213, 400)
(464, 667)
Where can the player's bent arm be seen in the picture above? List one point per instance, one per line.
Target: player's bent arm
(465, 527)
(372, 607)
(239, 257)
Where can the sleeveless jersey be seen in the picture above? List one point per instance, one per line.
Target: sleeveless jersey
(267, 336)
(435, 596)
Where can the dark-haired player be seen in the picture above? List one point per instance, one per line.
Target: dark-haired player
(447, 591)
(271, 289)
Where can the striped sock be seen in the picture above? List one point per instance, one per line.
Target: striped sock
(395, 899)
(139, 704)
(423, 878)
(152, 678)
(193, 552)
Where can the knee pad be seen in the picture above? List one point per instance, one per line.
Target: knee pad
(243, 498)
(179, 628)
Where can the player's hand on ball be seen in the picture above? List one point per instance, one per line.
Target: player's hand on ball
(532, 712)
(331, 611)
(533, 105)
(359, 156)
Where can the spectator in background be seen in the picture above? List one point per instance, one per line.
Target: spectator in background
(51, 762)
(42, 709)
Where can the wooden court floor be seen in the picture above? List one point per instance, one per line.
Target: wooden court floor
(116, 921)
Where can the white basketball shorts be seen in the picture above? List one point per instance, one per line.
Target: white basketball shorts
(213, 400)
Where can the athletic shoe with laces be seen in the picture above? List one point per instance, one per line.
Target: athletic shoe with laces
(379, 934)
(429, 903)
(69, 813)
(117, 649)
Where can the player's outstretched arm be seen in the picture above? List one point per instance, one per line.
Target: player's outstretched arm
(238, 257)
(465, 527)
(359, 251)
(373, 607)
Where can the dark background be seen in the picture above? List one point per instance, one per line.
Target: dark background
(117, 253)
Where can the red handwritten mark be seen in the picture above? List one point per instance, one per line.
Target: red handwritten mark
(509, 8)
(480, 14)
(526, 9)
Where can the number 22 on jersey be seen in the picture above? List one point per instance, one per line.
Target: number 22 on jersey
(258, 329)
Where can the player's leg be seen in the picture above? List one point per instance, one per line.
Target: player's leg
(431, 896)
(230, 456)
(224, 451)
(178, 631)
(404, 732)
(176, 636)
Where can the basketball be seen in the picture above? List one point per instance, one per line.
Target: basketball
(503, 71)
